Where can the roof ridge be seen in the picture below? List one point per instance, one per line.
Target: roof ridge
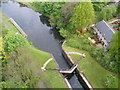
(109, 26)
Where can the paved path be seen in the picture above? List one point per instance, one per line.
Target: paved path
(77, 53)
(18, 27)
(44, 66)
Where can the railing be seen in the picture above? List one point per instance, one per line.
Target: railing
(70, 70)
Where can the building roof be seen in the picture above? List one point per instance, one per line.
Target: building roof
(105, 30)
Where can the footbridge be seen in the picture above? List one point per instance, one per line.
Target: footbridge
(60, 70)
(66, 71)
(69, 70)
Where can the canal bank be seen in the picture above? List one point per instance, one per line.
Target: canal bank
(82, 79)
(24, 63)
(40, 34)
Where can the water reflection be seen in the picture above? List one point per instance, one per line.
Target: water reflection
(56, 34)
(53, 30)
(44, 20)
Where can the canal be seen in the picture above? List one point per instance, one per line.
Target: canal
(40, 33)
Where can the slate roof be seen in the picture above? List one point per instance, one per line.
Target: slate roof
(105, 30)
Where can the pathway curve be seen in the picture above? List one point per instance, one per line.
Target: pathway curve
(83, 55)
(45, 64)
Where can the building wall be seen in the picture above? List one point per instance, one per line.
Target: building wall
(101, 38)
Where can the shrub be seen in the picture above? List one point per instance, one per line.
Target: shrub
(86, 41)
(98, 5)
(102, 56)
(109, 81)
(63, 32)
(106, 13)
(11, 42)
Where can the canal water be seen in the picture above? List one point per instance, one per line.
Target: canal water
(40, 33)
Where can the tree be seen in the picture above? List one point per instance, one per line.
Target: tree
(107, 13)
(83, 15)
(98, 5)
(67, 11)
(115, 44)
(118, 10)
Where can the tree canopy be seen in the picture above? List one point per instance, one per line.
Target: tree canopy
(115, 45)
(107, 13)
(83, 15)
(118, 10)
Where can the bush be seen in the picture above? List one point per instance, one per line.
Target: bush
(98, 5)
(106, 13)
(102, 56)
(63, 33)
(11, 42)
(74, 43)
(109, 81)
(86, 41)
(81, 44)
(105, 59)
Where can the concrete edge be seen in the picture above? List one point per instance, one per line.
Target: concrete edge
(18, 27)
(68, 84)
(81, 73)
(70, 58)
(65, 80)
(86, 81)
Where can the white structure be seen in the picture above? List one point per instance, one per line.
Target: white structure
(45, 64)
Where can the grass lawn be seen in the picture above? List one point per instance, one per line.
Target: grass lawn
(95, 74)
(31, 58)
(22, 67)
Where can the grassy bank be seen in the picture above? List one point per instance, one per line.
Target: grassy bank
(96, 74)
(23, 62)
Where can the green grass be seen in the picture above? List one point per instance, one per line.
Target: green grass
(95, 74)
(34, 60)
(22, 66)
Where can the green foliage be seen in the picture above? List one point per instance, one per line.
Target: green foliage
(63, 33)
(67, 12)
(105, 59)
(21, 76)
(55, 19)
(82, 44)
(118, 9)
(106, 13)
(98, 5)
(98, 52)
(50, 9)
(115, 45)
(13, 41)
(46, 8)
(83, 15)
(97, 77)
(109, 82)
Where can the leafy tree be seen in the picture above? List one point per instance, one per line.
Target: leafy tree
(107, 13)
(98, 5)
(63, 32)
(83, 15)
(118, 12)
(67, 11)
(118, 9)
(50, 9)
(46, 8)
(55, 19)
(13, 41)
(115, 48)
